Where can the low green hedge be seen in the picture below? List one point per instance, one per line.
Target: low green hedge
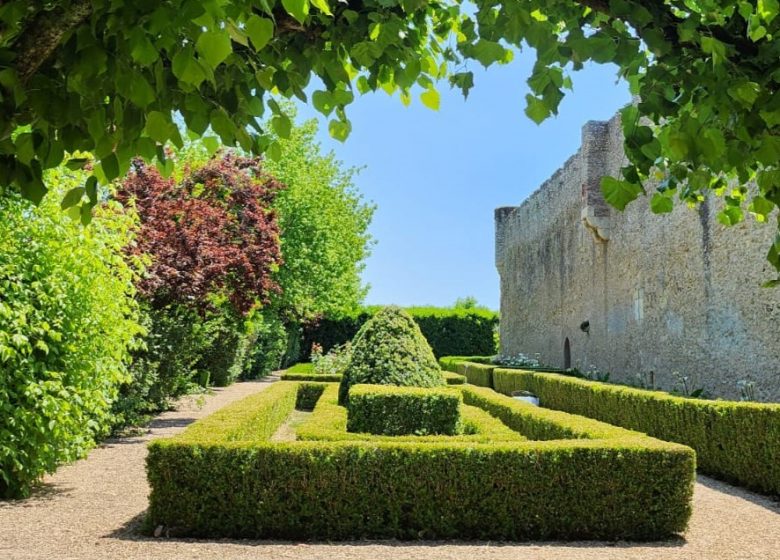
(328, 422)
(222, 478)
(735, 441)
(480, 374)
(399, 411)
(321, 377)
(453, 378)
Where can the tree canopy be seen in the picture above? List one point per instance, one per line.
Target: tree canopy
(106, 76)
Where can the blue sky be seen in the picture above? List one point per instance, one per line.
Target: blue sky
(437, 176)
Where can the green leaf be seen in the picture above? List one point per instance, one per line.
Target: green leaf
(86, 214)
(760, 207)
(91, 189)
(299, 9)
(72, 197)
(488, 52)
(430, 99)
(158, 127)
(714, 48)
(110, 165)
(768, 9)
(339, 129)
(211, 144)
(186, 68)
(140, 92)
(282, 126)
(731, 215)
(536, 109)
(142, 51)
(661, 204)
(274, 151)
(260, 31)
(75, 164)
(214, 46)
(464, 81)
(619, 193)
(322, 5)
(323, 102)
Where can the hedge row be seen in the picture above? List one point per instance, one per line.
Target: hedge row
(398, 411)
(447, 330)
(328, 422)
(480, 374)
(225, 479)
(300, 373)
(736, 441)
(321, 377)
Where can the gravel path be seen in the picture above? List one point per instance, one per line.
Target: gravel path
(90, 510)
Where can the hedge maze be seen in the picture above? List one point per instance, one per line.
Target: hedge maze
(509, 471)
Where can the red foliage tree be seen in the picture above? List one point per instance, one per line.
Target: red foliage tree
(211, 233)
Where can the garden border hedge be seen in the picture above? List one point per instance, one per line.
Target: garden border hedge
(294, 373)
(398, 411)
(223, 478)
(328, 422)
(735, 441)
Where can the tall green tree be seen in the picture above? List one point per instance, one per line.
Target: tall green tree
(105, 76)
(324, 222)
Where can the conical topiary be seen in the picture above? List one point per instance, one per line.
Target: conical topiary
(390, 349)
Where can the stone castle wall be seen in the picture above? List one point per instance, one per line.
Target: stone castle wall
(636, 294)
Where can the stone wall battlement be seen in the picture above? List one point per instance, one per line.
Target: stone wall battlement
(645, 297)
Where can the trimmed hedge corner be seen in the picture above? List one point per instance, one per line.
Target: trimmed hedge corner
(735, 441)
(398, 411)
(453, 378)
(480, 374)
(222, 477)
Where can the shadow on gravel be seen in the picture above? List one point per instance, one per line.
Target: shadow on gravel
(43, 492)
(768, 502)
(132, 530)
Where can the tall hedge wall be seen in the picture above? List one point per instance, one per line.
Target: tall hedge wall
(734, 441)
(449, 331)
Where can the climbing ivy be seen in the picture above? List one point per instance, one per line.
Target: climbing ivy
(108, 76)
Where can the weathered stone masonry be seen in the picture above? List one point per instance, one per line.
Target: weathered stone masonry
(636, 294)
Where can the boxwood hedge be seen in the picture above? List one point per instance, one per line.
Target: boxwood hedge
(223, 478)
(328, 422)
(297, 373)
(398, 411)
(735, 441)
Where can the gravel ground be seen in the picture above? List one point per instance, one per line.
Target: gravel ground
(92, 508)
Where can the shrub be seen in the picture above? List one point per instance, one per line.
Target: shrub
(212, 232)
(398, 411)
(164, 367)
(67, 322)
(735, 441)
(268, 344)
(328, 422)
(447, 330)
(334, 362)
(389, 349)
(222, 478)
